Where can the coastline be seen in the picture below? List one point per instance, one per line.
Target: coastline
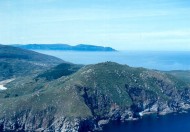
(156, 118)
(4, 82)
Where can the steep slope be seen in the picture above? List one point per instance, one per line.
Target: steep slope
(87, 99)
(16, 62)
(137, 88)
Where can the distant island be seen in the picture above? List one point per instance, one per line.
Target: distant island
(79, 47)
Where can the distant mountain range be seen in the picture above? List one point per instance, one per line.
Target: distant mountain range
(80, 47)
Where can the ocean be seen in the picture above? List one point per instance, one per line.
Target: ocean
(160, 60)
(174, 122)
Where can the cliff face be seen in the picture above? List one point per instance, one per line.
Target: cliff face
(88, 98)
(42, 121)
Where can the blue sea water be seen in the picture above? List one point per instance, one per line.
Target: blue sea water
(160, 60)
(151, 123)
(154, 60)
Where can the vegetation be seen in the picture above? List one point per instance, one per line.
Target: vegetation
(63, 69)
(39, 99)
(17, 62)
(182, 75)
(95, 87)
(80, 47)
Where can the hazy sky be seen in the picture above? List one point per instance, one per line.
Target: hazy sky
(121, 24)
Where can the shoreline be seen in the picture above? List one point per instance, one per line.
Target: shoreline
(4, 82)
(144, 117)
(143, 114)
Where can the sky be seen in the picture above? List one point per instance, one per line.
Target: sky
(121, 24)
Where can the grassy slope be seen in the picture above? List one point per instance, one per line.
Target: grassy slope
(92, 90)
(113, 83)
(10, 52)
(41, 95)
(60, 70)
(41, 92)
(182, 75)
(17, 62)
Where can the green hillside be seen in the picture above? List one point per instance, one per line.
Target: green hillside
(79, 99)
(17, 62)
(182, 75)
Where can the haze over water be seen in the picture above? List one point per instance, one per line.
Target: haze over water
(160, 60)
